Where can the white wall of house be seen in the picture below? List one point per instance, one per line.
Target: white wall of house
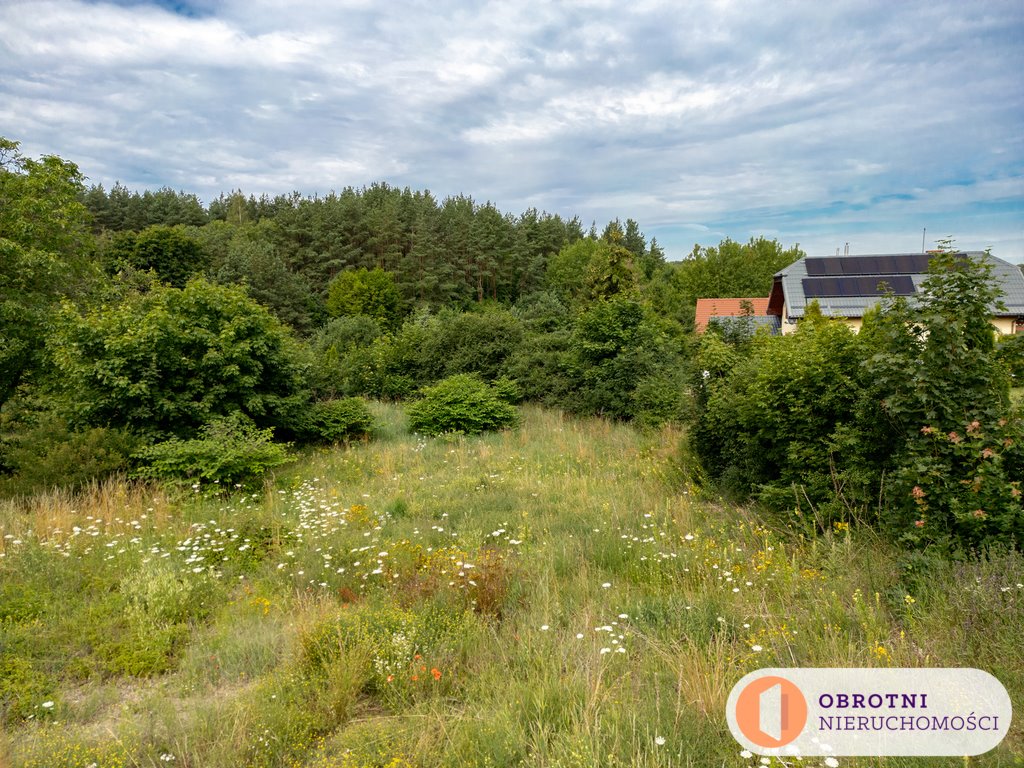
(1004, 325)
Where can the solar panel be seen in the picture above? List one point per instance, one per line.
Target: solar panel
(895, 264)
(818, 267)
(911, 263)
(864, 285)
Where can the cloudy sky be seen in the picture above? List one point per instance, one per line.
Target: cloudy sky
(819, 123)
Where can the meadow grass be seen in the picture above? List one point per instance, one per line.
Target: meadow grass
(556, 595)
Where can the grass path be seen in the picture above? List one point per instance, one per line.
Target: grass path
(552, 596)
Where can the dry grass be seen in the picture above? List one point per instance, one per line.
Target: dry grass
(112, 502)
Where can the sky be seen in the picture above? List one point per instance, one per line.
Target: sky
(872, 124)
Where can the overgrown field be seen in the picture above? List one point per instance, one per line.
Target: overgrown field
(551, 596)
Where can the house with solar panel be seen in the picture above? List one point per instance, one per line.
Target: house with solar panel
(845, 287)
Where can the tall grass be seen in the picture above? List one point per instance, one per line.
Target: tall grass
(553, 596)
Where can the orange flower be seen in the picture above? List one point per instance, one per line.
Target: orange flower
(415, 678)
(436, 673)
(390, 678)
(919, 523)
(417, 657)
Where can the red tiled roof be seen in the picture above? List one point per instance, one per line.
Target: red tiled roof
(708, 308)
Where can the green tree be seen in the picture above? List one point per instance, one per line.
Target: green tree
(369, 292)
(253, 261)
(957, 447)
(168, 252)
(45, 251)
(166, 362)
(625, 363)
(610, 273)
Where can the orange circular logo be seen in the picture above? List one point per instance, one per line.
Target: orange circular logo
(771, 712)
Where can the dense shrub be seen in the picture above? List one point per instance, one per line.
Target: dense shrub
(909, 420)
(462, 403)
(426, 349)
(49, 454)
(962, 488)
(166, 362)
(335, 421)
(229, 452)
(958, 466)
(473, 342)
(622, 361)
(768, 416)
(340, 359)
(1010, 352)
(542, 368)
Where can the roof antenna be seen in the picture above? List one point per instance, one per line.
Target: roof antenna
(923, 231)
(846, 252)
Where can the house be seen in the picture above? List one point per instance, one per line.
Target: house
(847, 286)
(753, 310)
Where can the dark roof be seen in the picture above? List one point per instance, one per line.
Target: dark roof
(847, 286)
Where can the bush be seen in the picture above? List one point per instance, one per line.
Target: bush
(474, 342)
(962, 487)
(49, 454)
(230, 452)
(158, 594)
(1010, 352)
(766, 423)
(335, 421)
(542, 368)
(462, 403)
(341, 356)
(944, 393)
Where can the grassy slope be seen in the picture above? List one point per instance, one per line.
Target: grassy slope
(453, 602)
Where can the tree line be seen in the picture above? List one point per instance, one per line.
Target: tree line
(135, 327)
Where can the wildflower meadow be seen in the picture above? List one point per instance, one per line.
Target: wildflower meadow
(554, 595)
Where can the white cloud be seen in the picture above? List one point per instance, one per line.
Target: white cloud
(805, 119)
